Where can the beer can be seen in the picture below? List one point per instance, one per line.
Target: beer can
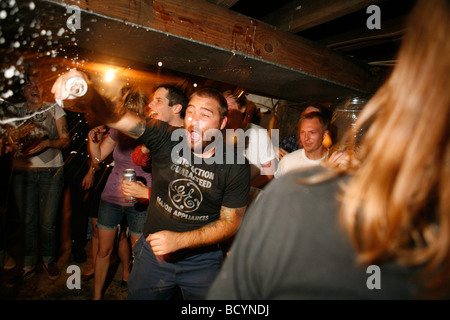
(75, 87)
(130, 175)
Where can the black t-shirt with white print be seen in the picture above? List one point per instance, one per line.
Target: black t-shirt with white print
(188, 192)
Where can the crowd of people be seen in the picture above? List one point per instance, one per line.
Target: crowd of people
(220, 216)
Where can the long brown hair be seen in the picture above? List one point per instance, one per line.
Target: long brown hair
(397, 205)
(135, 101)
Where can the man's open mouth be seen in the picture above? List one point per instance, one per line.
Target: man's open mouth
(195, 136)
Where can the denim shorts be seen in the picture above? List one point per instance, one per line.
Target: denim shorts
(110, 215)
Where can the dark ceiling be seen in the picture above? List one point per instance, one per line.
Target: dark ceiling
(339, 25)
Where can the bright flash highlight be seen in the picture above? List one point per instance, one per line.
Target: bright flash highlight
(109, 75)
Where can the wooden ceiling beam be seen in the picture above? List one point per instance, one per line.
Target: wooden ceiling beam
(202, 39)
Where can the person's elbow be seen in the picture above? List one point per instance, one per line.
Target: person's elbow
(64, 142)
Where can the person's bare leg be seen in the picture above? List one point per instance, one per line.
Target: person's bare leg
(124, 256)
(94, 247)
(105, 248)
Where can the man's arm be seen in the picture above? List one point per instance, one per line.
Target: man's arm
(113, 116)
(101, 108)
(63, 132)
(165, 242)
(266, 174)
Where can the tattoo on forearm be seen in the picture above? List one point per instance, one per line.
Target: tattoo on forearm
(241, 211)
(138, 129)
(226, 214)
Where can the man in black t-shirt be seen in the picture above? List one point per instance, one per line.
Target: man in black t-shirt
(199, 193)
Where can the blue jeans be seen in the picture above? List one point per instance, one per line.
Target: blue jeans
(38, 194)
(154, 278)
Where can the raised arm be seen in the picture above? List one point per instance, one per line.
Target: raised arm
(104, 110)
(99, 150)
(165, 242)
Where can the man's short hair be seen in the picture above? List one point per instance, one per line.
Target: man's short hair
(175, 95)
(241, 100)
(216, 95)
(323, 119)
(324, 110)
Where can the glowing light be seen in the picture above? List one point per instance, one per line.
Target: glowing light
(160, 64)
(109, 75)
(195, 85)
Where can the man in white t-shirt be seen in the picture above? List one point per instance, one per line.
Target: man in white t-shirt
(313, 128)
(257, 147)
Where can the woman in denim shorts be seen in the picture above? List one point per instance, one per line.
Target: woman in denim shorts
(113, 208)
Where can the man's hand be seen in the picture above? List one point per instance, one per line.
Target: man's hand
(164, 242)
(6, 147)
(37, 147)
(342, 160)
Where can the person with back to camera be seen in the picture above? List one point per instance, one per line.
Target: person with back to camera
(380, 231)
